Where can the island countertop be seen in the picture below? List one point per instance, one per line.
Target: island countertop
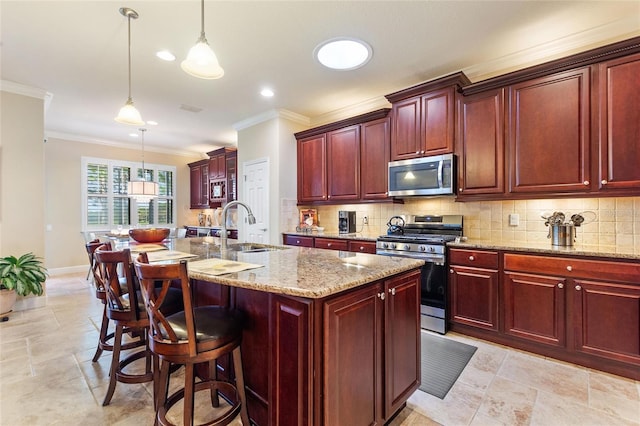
(297, 271)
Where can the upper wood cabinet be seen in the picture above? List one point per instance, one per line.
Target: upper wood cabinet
(199, 175)
(344, 161)
(619, 125)
(480, 143)
(548, 134)
(423, 118)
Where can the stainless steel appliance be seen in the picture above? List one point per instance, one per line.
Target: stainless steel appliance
(424, 237)
(346, 222)
(432, 175)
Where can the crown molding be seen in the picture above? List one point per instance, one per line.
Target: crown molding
(24, 90)
(350, 111)
(595, 37)
(122, 145)
(270, 115)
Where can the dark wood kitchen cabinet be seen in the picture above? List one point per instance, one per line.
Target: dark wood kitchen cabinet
(423, 118)
(376, 333)
(619, 126)
(480, 144)
(589, 307)
(548, 134)
(331, 243)
(222, 179)
(473, 288)
(344, 161)
(344, 244)
(343, 164)
(199, 184)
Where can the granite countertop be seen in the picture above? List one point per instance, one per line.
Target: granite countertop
(298, 271)
(362, 236)
(613, 252)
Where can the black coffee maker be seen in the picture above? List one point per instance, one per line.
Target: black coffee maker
(346, 222)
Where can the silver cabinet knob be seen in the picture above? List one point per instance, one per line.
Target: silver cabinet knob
(578, 288)
(604, 181)
(472, 258)
(329, 244)
(569, 268)
(460, 189)
(451, 271)
(297, 241)
(392, 291)
(586, 183)
(361, 248)
(560, 285)
(381, 296)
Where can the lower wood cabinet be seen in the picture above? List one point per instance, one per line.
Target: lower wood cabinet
(343, 244)
(349, 359)
(296, 240)
(331, 244)
(373, 362)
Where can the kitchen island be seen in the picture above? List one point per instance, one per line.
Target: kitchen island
(331, 337)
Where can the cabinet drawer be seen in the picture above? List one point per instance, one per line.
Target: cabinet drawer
(295, 240)
(332, 244)
(477, 258)
(571, 267)
(362, 246)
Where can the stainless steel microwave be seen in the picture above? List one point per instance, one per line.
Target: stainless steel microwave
(422, 176)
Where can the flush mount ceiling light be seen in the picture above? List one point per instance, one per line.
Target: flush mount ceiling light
(141, 189)
(201, 61)
(343, 53)
(128, 113)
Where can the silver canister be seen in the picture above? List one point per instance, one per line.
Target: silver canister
(563, 234)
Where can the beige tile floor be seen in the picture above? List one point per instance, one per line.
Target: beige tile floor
(47, 378)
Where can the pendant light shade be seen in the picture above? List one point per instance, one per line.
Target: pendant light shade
(141, 189)
(128, 114)
(201, 61)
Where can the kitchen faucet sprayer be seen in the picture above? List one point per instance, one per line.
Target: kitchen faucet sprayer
(251, 218)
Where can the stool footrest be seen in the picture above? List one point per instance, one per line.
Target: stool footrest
(123, 377)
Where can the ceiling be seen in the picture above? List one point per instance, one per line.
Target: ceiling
(77, 52)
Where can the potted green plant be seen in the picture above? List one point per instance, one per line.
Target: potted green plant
(22, 275)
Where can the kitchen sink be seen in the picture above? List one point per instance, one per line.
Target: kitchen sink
(253, 247)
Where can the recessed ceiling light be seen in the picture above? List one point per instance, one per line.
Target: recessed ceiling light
(343, 53)
(267, 93)
(152, 123)
(165, 55)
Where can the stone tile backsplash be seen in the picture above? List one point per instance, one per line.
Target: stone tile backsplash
(617, 220)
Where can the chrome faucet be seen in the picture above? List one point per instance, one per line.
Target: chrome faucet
(251, 218)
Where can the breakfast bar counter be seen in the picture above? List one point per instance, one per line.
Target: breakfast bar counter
(330, 337)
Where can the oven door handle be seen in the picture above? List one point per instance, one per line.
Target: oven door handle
(438, 260)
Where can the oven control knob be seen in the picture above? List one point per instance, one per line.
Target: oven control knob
(407, 247)
(392, 245)
(422, 248)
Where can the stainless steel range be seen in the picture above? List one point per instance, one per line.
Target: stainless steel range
(424, 237)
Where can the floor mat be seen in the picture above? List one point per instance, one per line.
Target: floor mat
(442, 362)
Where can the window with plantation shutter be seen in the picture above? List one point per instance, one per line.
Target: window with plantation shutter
(106, 202)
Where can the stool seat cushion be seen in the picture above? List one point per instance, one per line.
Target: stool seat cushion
(212, 323)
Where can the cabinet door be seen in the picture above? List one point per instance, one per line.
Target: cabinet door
(217, 166)
(406, 141)
(195, 186)
(312, 166)
(548, 134)
(473, 295)
(296, 240)
(374, 157)
(534, 308)
(438, 112)
(343, 164)
(402, 340)
(362, 246)
(481, 144)
(619, 92)
(607, 319)
(352, 363)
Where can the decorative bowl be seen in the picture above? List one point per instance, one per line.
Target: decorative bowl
(149, 235)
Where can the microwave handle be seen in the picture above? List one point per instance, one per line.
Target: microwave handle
(440, 171)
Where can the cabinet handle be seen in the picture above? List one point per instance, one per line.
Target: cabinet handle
(586, 183)
(381, 296)
(361, 248)
(569, 268)
(578, 288)
(417, 152)
(328, 244)
(392, 291)
(604, 181)
(460, 189)
(451, 271)
(472, 258)
(560, 285)
(297, 241)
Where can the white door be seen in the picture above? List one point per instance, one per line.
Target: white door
(256, 194)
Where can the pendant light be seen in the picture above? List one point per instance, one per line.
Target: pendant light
(128, 113)
(201, 61)
(139, 188)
